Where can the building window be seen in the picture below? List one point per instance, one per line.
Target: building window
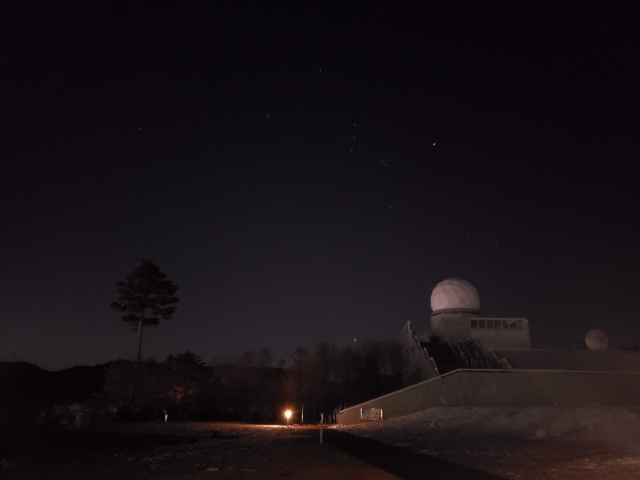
(499, 324)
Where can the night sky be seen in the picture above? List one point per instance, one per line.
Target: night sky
(311, 172)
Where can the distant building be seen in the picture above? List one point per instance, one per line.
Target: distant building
(460, 337)
(456, 318)
(467, 359)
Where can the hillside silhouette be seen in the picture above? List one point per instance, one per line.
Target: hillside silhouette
(26, 389)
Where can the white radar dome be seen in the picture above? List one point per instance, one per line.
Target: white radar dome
(454, 293)
(596, 340)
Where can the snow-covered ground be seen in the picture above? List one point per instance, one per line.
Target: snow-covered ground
(525, 443)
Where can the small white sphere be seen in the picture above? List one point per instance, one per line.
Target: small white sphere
(454, 293)
(596, 340)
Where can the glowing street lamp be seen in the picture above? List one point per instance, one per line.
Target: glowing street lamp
(287, 415)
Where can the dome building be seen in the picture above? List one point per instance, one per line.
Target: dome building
(466, 359)
(455, 295)
(456, 318)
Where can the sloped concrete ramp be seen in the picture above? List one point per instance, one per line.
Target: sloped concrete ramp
(505, 387)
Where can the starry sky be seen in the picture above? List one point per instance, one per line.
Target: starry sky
(310, 172)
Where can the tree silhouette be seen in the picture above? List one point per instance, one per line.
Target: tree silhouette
(147, 297)
(187, 373)
(265, 359)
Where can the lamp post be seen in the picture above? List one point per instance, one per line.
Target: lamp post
(287, 415)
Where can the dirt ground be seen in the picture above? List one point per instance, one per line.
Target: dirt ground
(570, 443)
(201, 450)
(464, 443)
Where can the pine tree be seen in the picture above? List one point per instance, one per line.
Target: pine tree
(146, 296)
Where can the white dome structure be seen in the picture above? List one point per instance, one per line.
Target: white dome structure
(596, 340)
(455, 294)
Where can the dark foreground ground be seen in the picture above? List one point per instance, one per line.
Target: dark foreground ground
(230, 450)
(551, 442)
(177, 451)
(211, 450)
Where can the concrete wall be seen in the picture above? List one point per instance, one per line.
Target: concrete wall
(506, 387)
(502, 340)
(501, 333)
(452, 327)
(611, 361)
(492, 333)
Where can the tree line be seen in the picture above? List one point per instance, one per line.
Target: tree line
(314, 380)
